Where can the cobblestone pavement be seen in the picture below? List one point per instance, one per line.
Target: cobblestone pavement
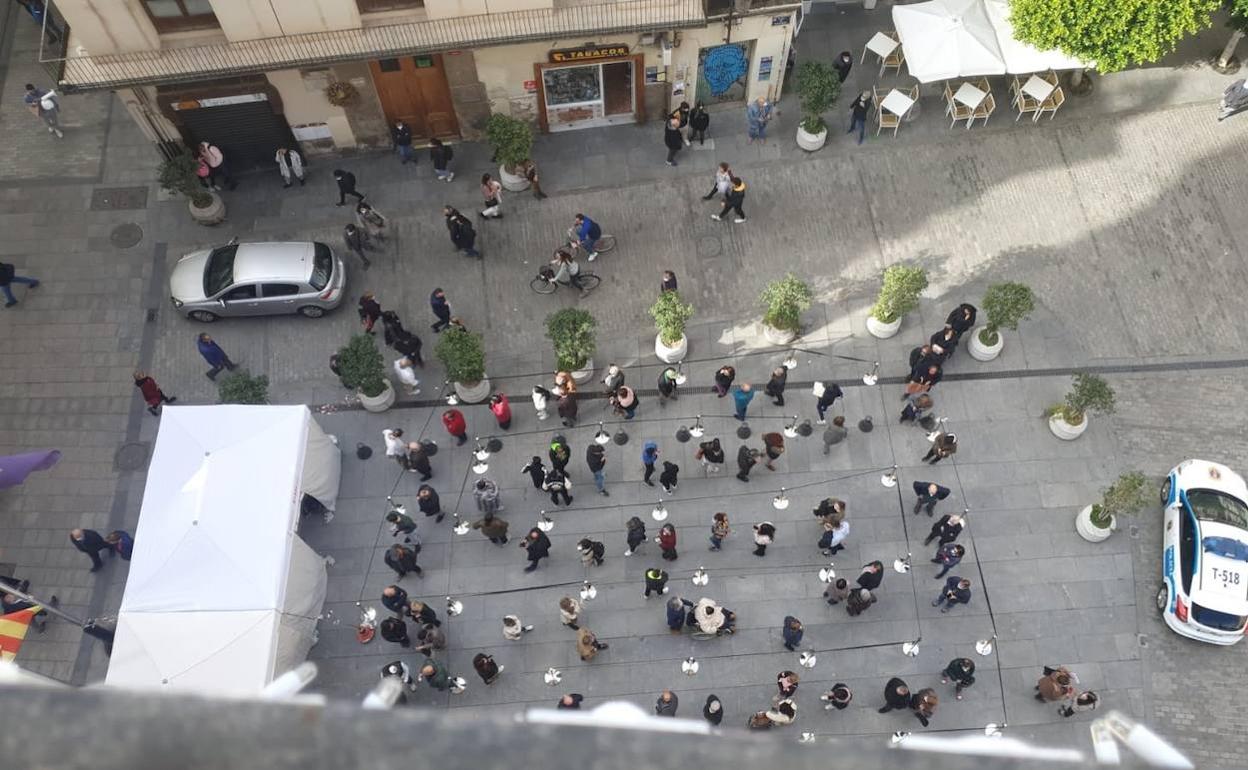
(1124, 225)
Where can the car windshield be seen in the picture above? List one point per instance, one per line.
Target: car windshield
(322, 266)
(1215, 506)
(219, 273)
(1222, 621)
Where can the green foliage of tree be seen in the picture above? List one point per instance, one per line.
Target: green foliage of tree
(900, 292)
(511, 138)
(1125, 496)
(818, 86)
(362, 366)
(177, 175)
(243, 388)
(785, 301)
(1088, 393)
(1112, 34)
(670, 314)
(1005, 304)
(572, 331)
(462, 354)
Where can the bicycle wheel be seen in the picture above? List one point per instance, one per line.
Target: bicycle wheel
(589, 282)
(605, 244)
(543, 286)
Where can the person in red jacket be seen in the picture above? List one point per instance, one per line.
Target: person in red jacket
(453, 419)
(152, 393)
(501, 409)
(667, 541)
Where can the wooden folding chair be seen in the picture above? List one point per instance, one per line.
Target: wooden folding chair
(1021, 101)
(1051, 105)
(955, 109)
(883, 118)
(894, 60)
(984, 110)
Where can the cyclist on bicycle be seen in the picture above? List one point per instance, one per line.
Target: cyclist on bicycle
(587, 233)
(567, 270)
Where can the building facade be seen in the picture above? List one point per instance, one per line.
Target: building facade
(254, 74)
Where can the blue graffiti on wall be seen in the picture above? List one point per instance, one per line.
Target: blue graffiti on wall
(723, 66)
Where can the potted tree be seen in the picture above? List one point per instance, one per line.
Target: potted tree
(1125, 496)
(818, 86)
(463, 356)
(899, 294)
(670, 314)
(572, 331)
(512, 140)
(177, 175)
(361, 367)
(1005, 304)
(1088, 394)
(785, 300)
(243, 388)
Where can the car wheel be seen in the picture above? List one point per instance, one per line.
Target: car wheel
(203, 316)
(311, 311)
(1163, 598)
(1165, 492)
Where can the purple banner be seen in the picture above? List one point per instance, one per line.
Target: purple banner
(15, 468)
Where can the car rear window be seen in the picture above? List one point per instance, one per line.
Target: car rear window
(1220, 620)
(1215, 506)
(322, 266)
(219, 274)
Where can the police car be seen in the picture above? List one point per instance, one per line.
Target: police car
(1205, 552)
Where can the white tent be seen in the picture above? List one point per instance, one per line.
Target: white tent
(223, 595)
(946, 39)
(1021, 58)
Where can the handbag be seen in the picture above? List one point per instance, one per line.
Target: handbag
(818, 389)
(491, 203)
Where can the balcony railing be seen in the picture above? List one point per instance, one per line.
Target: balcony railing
(207, 62)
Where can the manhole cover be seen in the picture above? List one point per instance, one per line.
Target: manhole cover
(118, 198)
(130, 457)
(709, 246)
(127, 235)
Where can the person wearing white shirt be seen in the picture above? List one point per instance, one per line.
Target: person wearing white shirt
(396, 447)
(407, 375)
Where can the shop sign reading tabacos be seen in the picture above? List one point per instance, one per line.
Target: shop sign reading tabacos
(567, 55)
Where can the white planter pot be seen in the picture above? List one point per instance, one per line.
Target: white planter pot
(981, 352)
(811, 142)
(474, 393)
(672, 355)
(214, 214)
(1089, 531)
(378, 403)
(1064, 430)
(778, 336)
(511, 182)
(882, 330)
(581, 376)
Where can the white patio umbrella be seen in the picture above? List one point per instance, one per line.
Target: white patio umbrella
(1023, 57)
(945, 39)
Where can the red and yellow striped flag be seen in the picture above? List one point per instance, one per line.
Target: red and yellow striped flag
(13, 628)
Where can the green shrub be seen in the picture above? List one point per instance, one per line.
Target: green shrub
(243, 388)
(900, 293)
(818, 86)
(512, 140)
(462, 355)
(786, 300)
(1005, 304)
(1125, 496)
(670, 314)
(1088, 394)
(362, 366)
(572, 331)
(177, 175)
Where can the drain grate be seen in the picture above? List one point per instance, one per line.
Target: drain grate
(131, 456)
(118, 198)
(125, 236)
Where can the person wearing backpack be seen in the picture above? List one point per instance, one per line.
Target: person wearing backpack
(47, 107)
(441, 155)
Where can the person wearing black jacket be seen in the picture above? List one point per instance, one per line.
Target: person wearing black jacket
(370, 311)
(681, 113)
(346, 186)
(957, 591)
(402, 135)
(896, 695)
(537, 545)
(570, 701)
(356, 240)
(559, 453)
(699, 121)
(428, 502)
(409, 345)
(441, 309)
(557, 484)
(91, 543)
(858, 115)
(962, 319)
(418, 461)
(441, 156)
(947, 528)
(946, 340)
(712, 455)
(871, 576)
(733, 200)
(536, 471)
(713, 709)
(723, 380)
(747, 458)
(929, 493)
(775, 385)
(402, 560)
(596, 459)
(944, 445)
(842, 64)
(926, 378)
(673, 139)
(668, 477)
(423, 614)
(394, 599)
(395, 630)
(831, 392)
(8, 277)
(962, 672)
(463, 236)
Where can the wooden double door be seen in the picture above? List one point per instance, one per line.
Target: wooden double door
(413, 89)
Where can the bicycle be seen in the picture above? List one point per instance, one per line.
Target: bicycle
(604, 243)
(545, 282)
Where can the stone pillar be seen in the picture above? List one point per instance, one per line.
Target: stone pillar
(472, 106)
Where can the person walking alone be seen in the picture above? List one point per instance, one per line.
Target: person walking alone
(747, 458)
(719, 530)
(214, 355)
(711, 455)
(775, 385)
(500, 407)
(570, 612)
(153, 396)
(956, 591)
(649, 456)
(441, 155)
(346, 186)
(356, 241)
(757, 116)
(441, 310)
(944, 445)
(492, 193)
(741, 397)
(668, 477)
(896, 695)
(858, 115)
(733, 200)
(8, 277)
(928, 493)
(46, 106)
(536, 546)
(402, 136)
(557, 484)
(486, 668)
(463, 236)
(91, 543)
(667, 542)
(962, 672)
(792, 633)
(843, 64)
(453, 421)
(635, 535)
(656, 582)
(699, 121)
(596, 459)
(672, 139)
(826, 394)
(764, 535)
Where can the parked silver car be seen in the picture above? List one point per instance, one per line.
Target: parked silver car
(243, 279)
